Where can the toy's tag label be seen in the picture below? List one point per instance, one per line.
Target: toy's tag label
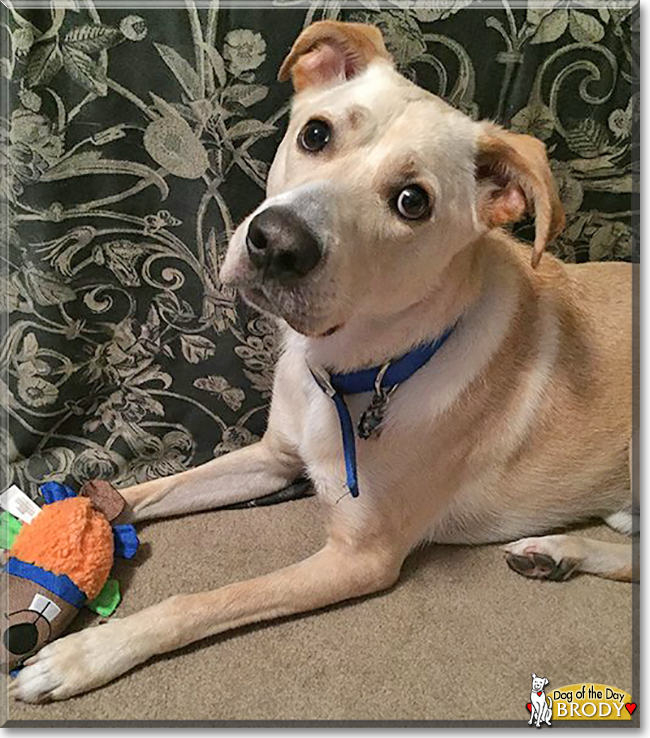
(16, 502)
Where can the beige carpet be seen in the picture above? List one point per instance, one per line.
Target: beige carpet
(456, 639)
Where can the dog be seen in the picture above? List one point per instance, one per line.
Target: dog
(540, 710)
(381, 250)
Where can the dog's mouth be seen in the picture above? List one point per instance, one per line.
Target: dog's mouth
(257, 297)
(291, 308)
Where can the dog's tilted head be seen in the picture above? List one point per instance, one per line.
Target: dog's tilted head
(539, 683)
(376, 186)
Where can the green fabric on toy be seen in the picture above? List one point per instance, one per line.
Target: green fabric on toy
(107, 600)
(9, 527)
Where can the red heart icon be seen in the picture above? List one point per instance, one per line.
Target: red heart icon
(530, 707)
(630, 707)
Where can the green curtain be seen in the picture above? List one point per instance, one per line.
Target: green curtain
(133, 143)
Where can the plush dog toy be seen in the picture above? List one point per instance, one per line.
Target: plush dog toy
(58, 562)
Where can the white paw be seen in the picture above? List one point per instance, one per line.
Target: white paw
(546, 557)
(75, 664)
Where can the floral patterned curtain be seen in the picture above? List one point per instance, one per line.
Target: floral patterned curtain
(134, 140)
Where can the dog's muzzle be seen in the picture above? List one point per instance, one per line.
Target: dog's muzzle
(281, 246)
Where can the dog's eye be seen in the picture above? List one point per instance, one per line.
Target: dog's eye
(315, 136)
(412, 203)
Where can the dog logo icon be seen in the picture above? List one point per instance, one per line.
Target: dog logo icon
(541, 711)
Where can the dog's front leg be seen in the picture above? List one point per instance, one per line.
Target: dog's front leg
(88, 659)
(246, 474)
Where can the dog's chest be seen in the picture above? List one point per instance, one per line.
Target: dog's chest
(389, 461)
(321, 443)
(409, 463)
(381, 458)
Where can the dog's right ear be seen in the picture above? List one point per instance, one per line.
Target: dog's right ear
(331, 52)
(534, 676)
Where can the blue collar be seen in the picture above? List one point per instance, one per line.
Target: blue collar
(382, 381)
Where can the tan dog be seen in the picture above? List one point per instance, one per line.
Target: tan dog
(380, 231)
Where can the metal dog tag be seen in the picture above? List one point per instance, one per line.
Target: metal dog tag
(373, 416)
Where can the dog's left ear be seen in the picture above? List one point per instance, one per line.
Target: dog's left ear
(514, 179)
(545, 681)
(331, 52)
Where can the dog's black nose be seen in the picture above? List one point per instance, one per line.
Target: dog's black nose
(281, 244)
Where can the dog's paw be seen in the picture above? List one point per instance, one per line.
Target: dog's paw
(547, 557)
(74, 664)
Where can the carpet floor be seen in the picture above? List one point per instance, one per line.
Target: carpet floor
(456, 639)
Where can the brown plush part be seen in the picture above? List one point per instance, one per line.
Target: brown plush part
(104, 497)
(69, 537)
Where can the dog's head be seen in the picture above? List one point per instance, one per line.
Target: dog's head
(539, 683)
(376, 186)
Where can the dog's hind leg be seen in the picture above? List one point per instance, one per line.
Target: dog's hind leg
(557, 557)
(623, 521)
(626, 519)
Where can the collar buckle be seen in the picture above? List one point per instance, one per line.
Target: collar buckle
(380, 377)
(322, 379)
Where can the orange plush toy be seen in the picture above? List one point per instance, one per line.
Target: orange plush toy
(58, 562)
